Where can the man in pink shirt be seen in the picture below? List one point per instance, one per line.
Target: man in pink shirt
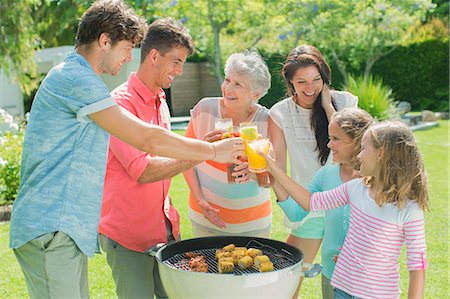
(136, 212)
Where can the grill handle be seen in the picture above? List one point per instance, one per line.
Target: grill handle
(153, 250)
(313, 270)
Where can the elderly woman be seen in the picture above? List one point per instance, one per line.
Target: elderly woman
(216, 207)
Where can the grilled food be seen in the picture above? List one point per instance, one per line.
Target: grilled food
(222, 254)
(198, 264)
(245, 262)
(229, 247)
(261, 259)
(244, 249)
(225, 267)
(265, 267)
(191, 254)
(237, 255)
(252, 252)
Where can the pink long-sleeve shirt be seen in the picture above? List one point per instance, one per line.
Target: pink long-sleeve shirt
(368, 266)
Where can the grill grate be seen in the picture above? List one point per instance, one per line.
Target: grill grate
(280, 258)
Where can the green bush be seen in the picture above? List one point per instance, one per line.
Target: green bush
(10, 155)
(373, 96)
(277, 89)
(11, 142)
(418, 73)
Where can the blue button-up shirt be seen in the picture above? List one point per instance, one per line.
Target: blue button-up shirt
(64, 158)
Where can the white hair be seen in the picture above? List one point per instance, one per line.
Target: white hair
(251, 64)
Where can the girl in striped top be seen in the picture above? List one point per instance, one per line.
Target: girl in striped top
(386, 210)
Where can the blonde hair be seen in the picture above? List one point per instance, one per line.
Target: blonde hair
(400, 175)
(354, 122)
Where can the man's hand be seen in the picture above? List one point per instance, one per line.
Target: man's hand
(211, 213)
(228, 150)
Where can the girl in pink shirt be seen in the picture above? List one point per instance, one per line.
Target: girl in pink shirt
(386, 210)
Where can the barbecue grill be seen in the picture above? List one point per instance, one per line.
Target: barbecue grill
(180, 282)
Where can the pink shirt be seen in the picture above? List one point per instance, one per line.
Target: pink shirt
(367, 266)
(133, 214)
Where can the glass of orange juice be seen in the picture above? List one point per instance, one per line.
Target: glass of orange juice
(256, 162)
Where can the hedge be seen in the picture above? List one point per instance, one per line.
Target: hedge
(418, 74)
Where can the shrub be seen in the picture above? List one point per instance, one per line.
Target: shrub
(418, 74)
(11, 142)
(374, 97)
(277, 90)
(10, 155)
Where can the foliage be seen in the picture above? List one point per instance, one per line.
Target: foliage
(17, 42)
(441, 11)
(419, 74)
(277, 89)
(11, 141)
(433, 29)
(353, 34)
(373, 96)
(220, 28)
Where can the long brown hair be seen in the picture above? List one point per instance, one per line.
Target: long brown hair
(354, 122)
(300, 57)
(400, 175)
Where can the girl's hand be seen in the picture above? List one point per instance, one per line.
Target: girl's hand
(211, 213)
(326, 97)
(270, 159)
(213, 136)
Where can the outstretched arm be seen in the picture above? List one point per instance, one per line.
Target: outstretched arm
(295, 190)
(156, 140)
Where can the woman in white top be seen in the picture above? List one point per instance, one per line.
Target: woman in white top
(299, 125)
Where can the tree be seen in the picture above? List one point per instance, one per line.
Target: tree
(221, 27)
(17, 44)
(354, 32)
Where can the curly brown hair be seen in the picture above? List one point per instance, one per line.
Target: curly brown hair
(113, 17)
(400, 174)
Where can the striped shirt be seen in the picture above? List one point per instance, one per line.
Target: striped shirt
(368, 266)
(245, 208)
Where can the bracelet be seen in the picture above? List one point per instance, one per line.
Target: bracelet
(214, 148)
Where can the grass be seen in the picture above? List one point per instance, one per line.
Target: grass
(434, 145)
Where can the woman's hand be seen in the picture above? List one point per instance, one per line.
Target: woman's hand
(213, 136)
(326, 97)
(242, 173)
(327, 105)
(211, 213)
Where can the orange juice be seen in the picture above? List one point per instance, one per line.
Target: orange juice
(248, 131)
(256, 162)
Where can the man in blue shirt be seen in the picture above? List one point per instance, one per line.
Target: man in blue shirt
(56, 213)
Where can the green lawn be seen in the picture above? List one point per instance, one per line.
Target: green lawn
(434, 144)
